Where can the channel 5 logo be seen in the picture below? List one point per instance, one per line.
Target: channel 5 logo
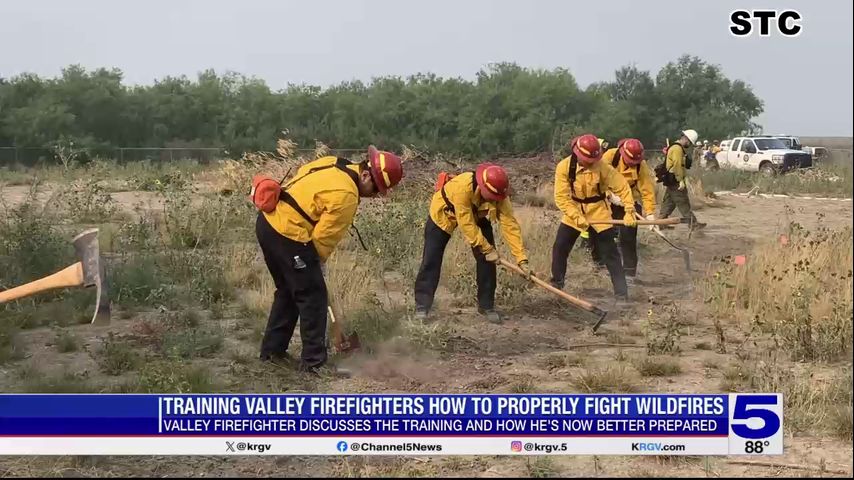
(516, 446)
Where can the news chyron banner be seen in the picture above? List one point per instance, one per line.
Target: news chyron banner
(733, 424)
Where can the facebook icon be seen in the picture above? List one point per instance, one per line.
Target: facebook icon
(342, 446)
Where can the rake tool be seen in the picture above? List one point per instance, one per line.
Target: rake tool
(686, 255)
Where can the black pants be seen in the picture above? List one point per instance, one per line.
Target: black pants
(300, 294)
(435, 241)
(605, 246)
(628, 241)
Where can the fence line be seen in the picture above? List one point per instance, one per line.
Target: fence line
(32, 156)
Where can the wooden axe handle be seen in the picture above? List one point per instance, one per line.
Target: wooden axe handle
(68, 277)
(545, 285)
(658, 221)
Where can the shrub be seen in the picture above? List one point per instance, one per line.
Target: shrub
(799, 293)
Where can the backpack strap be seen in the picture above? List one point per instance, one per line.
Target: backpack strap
(450, 206)
(573, 168)
(340, 164)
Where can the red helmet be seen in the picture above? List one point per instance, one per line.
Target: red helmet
(632, 151)
(493, 182)
(587, 149)
(386, 168)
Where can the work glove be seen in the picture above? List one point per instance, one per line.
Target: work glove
(629, 219)
(491, 256)
(526, 269)
(651, 217)
(614, 199)
(682, 185)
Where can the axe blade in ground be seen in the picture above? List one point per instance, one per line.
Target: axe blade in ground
(94, 274)
(348, 343)
(343, 344)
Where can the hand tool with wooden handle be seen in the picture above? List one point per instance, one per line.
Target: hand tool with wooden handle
(88, 272)
(583, 304)
(343, 343)
(660, 221)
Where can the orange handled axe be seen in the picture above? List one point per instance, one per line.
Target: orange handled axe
(87, 272)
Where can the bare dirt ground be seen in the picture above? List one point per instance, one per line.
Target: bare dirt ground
(528, 353)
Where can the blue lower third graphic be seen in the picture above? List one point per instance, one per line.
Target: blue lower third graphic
(342, 446)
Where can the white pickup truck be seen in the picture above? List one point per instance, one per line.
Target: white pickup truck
(765, 154)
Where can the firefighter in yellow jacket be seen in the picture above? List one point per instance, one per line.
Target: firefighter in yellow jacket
(581, 181)
(628, 160)
(676, 191)
(314, 211)
(468, 201)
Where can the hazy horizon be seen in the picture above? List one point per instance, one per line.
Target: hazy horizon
(802, 81)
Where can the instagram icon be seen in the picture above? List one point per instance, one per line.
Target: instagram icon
(516, 446)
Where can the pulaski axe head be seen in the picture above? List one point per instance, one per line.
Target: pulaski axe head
(94, 275)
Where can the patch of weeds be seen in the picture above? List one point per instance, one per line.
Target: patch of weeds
(735, 375)
(138, 281)
(193, 225)
(10, 348)
(183, 319)
(66, 341)
(117, 356)
(431, 336)
(373, 324)
(711, 363)
(86, 201)
(610, 379)
(559, 360)
(32, 245)
(28, 370)
(67, 382)
(657, 366)
(194, 342)
(703, 346)
(525, 385)
(173, 377)
(614, 336)
(663, 331)
(541, 467)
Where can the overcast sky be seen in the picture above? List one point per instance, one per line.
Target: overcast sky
(805, 82)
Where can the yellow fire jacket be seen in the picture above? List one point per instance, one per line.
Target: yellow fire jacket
(676, 161)
(466, 200)
(329, 196)
(641, 180)
(589, 183)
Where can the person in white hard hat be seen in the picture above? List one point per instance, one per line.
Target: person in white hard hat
(676, 192)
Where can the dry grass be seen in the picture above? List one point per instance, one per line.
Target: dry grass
(542, 196)
(657, 366)
(815, 401)
(66, 342)
(799, 295)
(610, 379)
(235, 177)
